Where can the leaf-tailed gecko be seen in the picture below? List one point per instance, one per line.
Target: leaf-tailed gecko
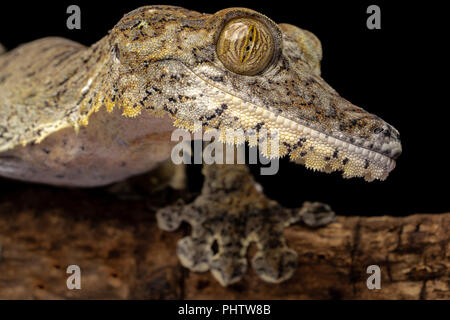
(81, 116)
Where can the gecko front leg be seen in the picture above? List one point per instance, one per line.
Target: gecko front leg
(227, 217)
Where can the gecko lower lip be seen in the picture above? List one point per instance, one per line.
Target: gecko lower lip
(394, 148)
(338, 143)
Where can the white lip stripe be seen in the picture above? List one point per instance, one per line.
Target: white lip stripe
(314, 134)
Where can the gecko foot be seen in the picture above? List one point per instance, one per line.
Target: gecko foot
(227, 217)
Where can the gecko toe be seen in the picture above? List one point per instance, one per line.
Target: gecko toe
(316, 214)
(194, 254)
(170, 218)
(275, 266)
(228, 270)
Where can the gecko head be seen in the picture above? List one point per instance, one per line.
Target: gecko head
(237, 69)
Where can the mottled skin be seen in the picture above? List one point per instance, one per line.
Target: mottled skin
(88, 116)
(229, 215)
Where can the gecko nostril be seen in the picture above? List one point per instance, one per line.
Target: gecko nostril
(378, 130)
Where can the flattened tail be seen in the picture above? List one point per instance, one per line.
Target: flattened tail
(2, 49)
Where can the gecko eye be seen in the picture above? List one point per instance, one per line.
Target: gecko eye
(245, 46)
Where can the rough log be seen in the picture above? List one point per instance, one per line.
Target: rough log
(123, 255)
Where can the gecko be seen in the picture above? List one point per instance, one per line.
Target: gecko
(88, 116)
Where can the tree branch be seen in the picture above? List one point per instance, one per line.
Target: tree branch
(123, 254)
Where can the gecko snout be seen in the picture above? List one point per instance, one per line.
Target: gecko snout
(387, 141)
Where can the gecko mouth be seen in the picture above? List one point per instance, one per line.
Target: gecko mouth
(300, 140)
(315, 149)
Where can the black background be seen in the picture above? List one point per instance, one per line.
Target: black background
(397, 72)
(287, 309)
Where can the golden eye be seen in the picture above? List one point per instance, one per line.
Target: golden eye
(245, 46)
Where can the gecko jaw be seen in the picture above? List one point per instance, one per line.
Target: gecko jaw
(301, 140)
(315, 149)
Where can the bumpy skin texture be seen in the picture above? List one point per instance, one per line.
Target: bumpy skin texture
(163, 60)
(88, 116)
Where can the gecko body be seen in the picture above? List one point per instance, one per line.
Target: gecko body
(72, 115)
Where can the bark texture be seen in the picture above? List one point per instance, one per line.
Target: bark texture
(123, 255)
